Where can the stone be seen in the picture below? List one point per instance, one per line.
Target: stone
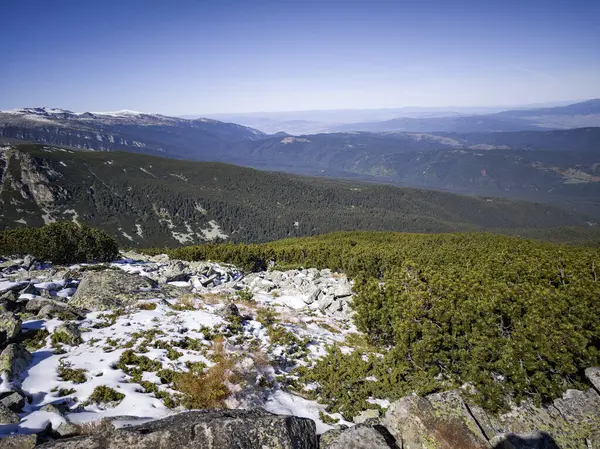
(450, 404)
(14, 360)
(357, 437)
(324, 303)
(67, 429)
(414, 423)
(7, 416)
(18, 441)
(29, 290)
(34, 305)
(10, 326)
(54, 311)
(60, 408)
(579, 406)
(68, 333)
(343, 288)
(366, 414)
(229, 311)
(313, 296)
(28, 262)
(105, 290)
(593, 375)
(14, 401)
(174, 271)
(222, 429)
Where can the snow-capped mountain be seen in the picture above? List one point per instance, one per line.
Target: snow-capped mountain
(123, 130)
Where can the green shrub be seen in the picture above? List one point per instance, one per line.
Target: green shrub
(103, 394)
(515, 318)
(61, 243)
(65, 372)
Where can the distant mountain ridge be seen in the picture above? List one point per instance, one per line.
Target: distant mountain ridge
(123, 130)
(513, 164)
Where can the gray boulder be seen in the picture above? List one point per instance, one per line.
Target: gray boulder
(7, 416)
(223, 429)
(372, 413)
(230, 311)
(313, 296)
(358, 437)
(14, 360)
(593, 374)
(14, 401)
(10, 327)
(105, 290)
(29, 290)
(18, 441)
(416, 424)
(68, 333)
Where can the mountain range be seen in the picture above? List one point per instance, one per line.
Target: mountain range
(152, 201)
(555, 166)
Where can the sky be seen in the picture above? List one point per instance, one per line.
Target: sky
(231, 56)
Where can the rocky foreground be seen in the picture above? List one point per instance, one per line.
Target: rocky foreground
(96, 356)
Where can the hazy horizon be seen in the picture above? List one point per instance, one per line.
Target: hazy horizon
(201, 58)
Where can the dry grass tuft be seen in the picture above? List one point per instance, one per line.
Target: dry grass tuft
(207, 389)
(146, 306)
(214, 298)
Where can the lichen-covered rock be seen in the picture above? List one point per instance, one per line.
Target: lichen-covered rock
(358, 437)
(14, 360)
(414, 423)
(18, 441)
(372, 413)
(593, 374)
(10, 326)
(67, 333)
(14, 401)
(7, 416)
(222, 429)
(105, 290)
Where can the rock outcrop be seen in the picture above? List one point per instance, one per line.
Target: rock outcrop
(222, 429)
(108, 289)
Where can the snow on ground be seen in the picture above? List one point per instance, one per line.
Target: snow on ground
(153, 329)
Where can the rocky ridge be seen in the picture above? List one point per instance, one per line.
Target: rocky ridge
(63, 306)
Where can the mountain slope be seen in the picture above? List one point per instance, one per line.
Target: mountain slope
(150, 201)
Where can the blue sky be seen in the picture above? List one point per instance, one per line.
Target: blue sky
(193, 57)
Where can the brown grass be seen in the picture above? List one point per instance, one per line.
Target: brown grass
(214, 298)
(208, 389)
(146, 306)
(261, 358)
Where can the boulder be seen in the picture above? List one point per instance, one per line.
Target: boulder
(371, 413)
(593, 375)
(14, 401)
(415, 424)
(29, 290)
(223, 429)
(28, 262)
(105, 290)
(7, 416)
(18, 441)
(343, 288)
(358, 437)
(14, 360)
(230, 311)
(10, 326)
(68, 333)
(67, 429)
(313, 296)
(175, 270)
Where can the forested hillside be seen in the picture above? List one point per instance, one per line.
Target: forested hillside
(150, 201)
